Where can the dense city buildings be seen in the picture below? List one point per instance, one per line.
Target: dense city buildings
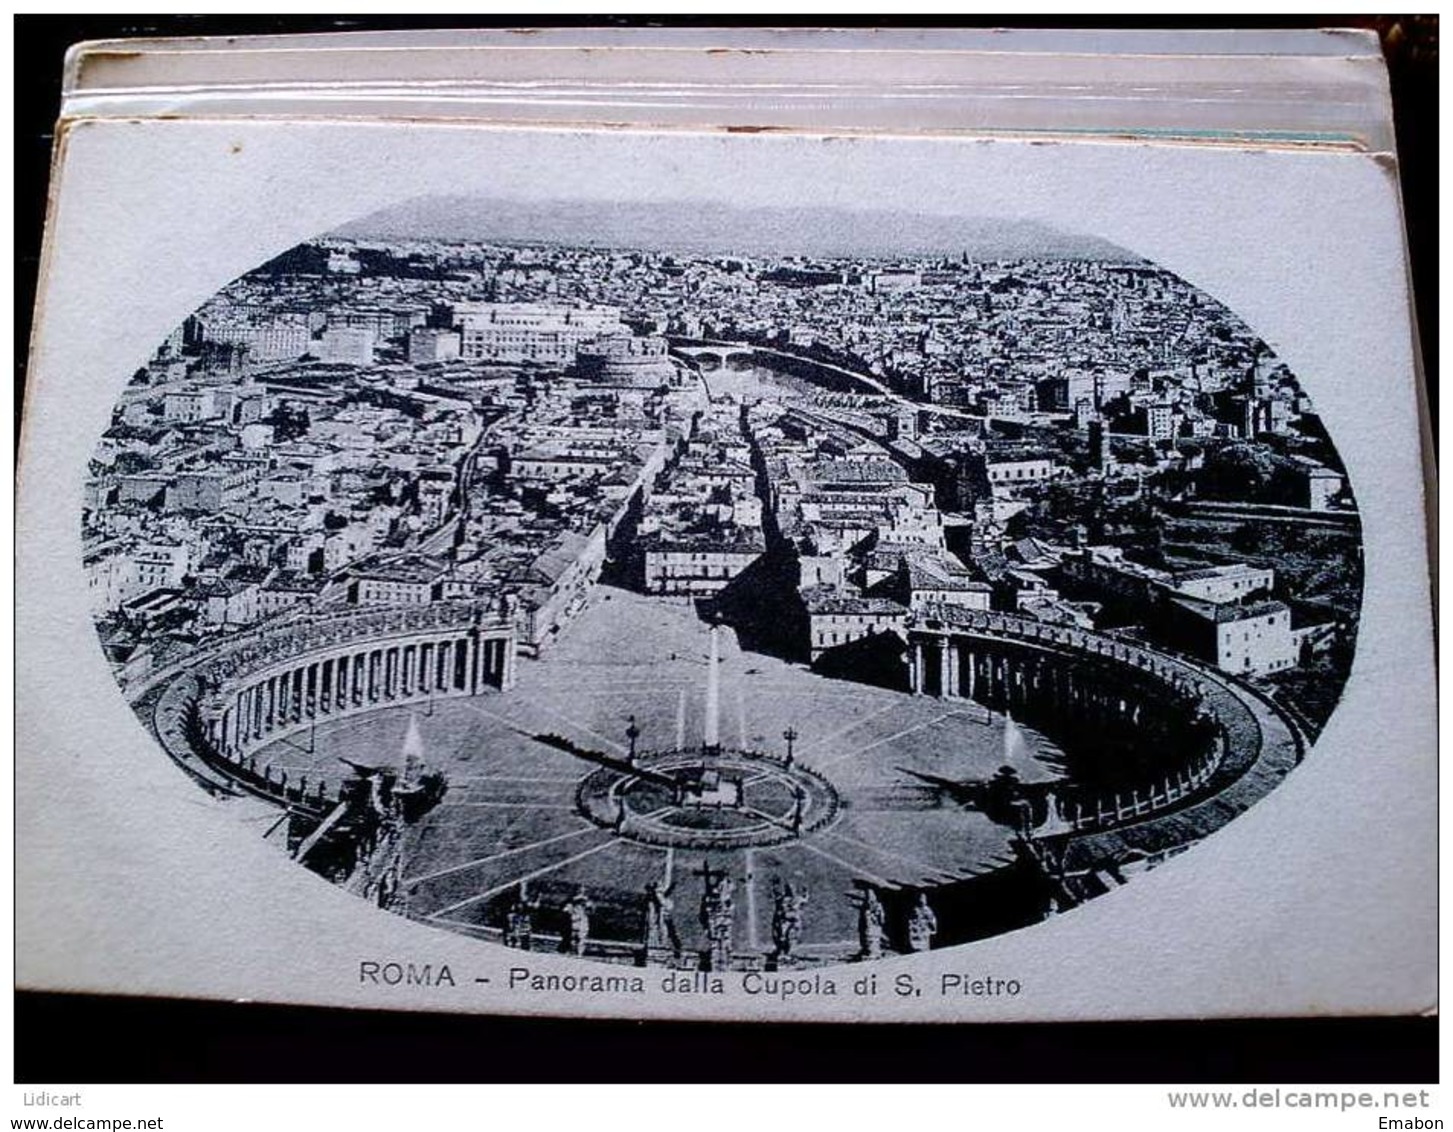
(424, 421)
(1074, 491)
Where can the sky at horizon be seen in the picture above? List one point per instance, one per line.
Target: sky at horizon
(714, 227)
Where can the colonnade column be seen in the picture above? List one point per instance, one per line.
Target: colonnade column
(948, 668)
(441, 666)
(446, 666)
(510, 662)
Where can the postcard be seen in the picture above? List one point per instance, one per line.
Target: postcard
(722, 574)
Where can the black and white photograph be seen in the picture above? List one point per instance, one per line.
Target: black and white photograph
(726, 553)
(722, 589)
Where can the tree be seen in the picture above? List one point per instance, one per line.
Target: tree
(1238, 471)
(289, 422)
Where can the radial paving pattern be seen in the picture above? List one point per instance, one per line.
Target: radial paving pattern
(543, 790)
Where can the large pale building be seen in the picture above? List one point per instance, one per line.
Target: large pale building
(118, 574)
(554, 588)
(413, 579)
(348, 345)
(1312, 484)
(429, 344)
(265, 340)
(680, 564)
(1216, 613)
(1106, 569)
(836, 618)
(1247, 640)
(191, 404)
(1012, 473)
(1235, 581)
(210, 489)
(551, 333)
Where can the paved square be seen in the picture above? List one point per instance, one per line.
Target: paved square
(514, 813)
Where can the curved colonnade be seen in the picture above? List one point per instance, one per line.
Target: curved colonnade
(1163, 731)
(269, 684)
(1177, 749)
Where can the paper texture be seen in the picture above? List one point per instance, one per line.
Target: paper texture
(558, 763)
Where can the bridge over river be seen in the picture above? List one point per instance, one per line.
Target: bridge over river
(833, 377)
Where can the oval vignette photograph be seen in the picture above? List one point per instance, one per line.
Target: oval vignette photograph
(685, 586)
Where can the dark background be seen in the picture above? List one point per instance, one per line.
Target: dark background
(68, 1039)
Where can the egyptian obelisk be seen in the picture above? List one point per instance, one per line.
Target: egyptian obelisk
(711, 738)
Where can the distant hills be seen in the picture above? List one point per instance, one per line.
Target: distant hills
(698, 226)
